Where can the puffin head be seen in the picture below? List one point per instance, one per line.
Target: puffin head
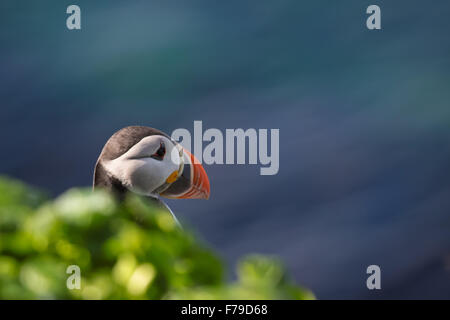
(146, 161)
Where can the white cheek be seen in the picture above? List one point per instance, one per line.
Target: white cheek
(148, 174)
(144, 175)
(141, 176)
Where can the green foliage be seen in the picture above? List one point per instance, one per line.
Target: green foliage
(125, 251)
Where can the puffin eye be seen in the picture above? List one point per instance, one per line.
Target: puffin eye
(160, 153)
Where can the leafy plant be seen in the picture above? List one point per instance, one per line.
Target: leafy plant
(126, 250)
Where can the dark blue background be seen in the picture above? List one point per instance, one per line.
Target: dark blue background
(364, 119)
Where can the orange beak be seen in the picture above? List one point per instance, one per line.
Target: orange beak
(199, 188)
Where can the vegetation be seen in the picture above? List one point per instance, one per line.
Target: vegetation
(124, 251)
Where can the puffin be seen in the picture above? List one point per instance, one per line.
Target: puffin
(147, 162)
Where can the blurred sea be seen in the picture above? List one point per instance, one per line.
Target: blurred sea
(364, 120)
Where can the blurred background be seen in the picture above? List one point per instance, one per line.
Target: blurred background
(364, 119)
